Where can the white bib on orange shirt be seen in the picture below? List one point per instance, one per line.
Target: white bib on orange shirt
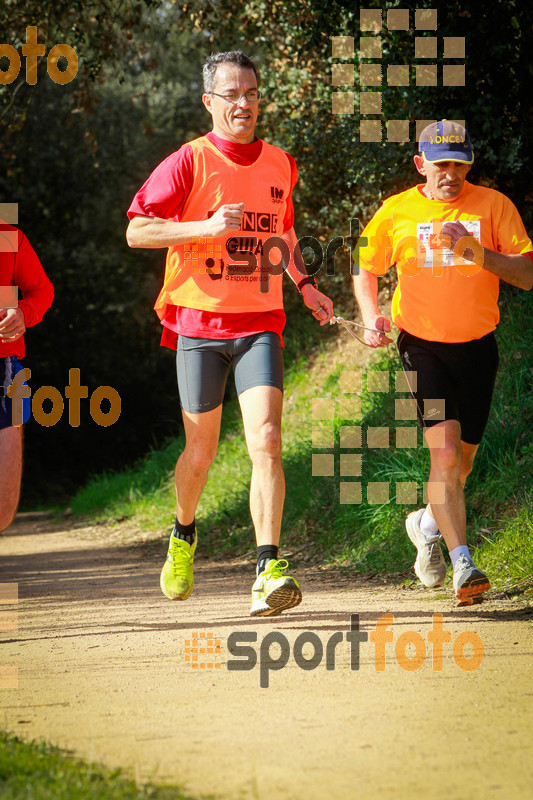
(209, 274)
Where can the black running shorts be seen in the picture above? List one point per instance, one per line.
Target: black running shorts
(453, 380)
(203, 367)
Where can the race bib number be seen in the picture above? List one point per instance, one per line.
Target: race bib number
(434, 242)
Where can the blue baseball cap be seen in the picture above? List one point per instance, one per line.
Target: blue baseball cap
(446, 141)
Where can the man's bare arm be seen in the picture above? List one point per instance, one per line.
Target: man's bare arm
(516, 269)
(154, 232)
(365, 286)
(319, 303)
(296, 268)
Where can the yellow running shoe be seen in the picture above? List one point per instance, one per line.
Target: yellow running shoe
(274, 592)
(177, 579)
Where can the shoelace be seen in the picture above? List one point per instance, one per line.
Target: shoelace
(180, 557)
(275, 570)
(463, 562)
(434, 555)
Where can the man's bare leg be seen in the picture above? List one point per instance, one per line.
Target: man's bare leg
(469, 454)
(261, 409)
(445, 467)
(272, 592)
(445, 492)
(202, 432)
(451, 462)
(10, 473)
(201, 440)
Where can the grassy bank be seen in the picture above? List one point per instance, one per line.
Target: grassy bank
(367, 536)
(41, 772)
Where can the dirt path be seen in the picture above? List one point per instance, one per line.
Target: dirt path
(102, 671)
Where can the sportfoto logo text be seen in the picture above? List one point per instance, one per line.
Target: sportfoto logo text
(273, 652)
(18, 390)
(252, 258)
(31, 51)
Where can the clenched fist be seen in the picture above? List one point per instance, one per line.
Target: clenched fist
(227, 218)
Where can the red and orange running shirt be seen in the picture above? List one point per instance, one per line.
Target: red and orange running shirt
(199, 297)
(440, 296)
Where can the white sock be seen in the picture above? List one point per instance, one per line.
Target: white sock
(428, 524)
(457, 552)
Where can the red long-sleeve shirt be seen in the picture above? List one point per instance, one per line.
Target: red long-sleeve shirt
(20, 266)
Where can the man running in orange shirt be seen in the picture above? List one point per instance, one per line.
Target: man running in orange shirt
(221, 205)
(452, 242)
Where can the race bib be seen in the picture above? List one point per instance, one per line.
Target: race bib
(437, 254)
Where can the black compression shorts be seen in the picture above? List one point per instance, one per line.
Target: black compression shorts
(453, 380)
(203, 367)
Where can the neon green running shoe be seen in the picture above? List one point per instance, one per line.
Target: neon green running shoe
(274, 592)
(177, 579)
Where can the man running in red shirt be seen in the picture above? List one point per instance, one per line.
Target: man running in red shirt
(19, 267)
(222, 205)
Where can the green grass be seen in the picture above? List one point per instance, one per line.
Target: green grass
(366, 538)
(507, 554)
(37, 771)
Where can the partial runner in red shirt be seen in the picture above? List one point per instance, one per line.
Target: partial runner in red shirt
(20, 271)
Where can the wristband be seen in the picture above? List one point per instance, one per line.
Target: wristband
(306, 280)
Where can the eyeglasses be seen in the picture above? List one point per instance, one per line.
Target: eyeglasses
(234, 97)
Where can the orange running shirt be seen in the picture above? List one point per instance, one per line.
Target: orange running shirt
(209, 275)
(440, 297)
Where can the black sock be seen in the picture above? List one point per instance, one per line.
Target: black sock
(264, 553)
(185, 532)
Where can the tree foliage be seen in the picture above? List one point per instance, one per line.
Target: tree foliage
(339, 171)
(72, 156)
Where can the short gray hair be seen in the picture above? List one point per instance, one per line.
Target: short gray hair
(236, 57)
